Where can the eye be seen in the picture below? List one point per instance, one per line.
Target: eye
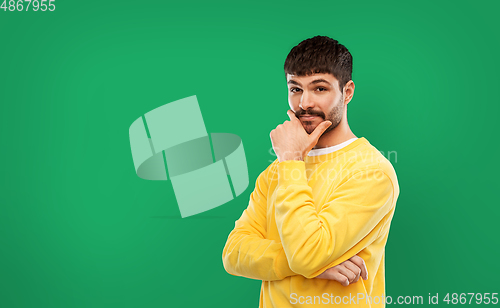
(293, 90)
(321, 89)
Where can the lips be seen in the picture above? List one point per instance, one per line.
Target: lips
(308, 117)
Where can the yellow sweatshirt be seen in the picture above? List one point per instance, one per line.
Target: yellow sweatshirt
(307, 216)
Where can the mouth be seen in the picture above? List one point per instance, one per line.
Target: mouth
(308, 117)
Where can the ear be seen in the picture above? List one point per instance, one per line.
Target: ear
(348, 91)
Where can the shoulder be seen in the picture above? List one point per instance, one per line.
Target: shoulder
(366, 158)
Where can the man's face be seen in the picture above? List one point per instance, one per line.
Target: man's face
(314, 99)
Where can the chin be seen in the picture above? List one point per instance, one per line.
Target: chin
(309, 128)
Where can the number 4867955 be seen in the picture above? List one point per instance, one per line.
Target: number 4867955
(35, 5)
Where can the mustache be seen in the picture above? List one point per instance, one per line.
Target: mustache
(309, 112)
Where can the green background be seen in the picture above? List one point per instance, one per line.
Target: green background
(78, 228)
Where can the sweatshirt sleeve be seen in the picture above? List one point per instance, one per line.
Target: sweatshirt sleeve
(350, 220)
(247, 252)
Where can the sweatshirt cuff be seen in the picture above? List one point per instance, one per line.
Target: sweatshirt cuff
(292, 172)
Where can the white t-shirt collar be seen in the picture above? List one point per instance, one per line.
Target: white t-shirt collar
(322, 151)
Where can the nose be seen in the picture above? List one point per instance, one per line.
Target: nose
(306, 101)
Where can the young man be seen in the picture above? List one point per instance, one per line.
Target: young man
(321, 211)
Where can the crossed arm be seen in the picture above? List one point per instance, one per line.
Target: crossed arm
(248, 252)
(313, 244)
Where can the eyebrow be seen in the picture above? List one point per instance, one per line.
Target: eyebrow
(312, 82)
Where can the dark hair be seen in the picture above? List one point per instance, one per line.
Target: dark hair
(320, 54)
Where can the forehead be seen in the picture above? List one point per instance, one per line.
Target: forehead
(306, 80)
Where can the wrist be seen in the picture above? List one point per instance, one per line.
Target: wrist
(291, 156)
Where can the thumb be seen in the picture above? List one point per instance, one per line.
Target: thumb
(319, 130)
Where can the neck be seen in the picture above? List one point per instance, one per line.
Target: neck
(339, 134)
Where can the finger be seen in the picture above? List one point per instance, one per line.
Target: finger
(361, 264)
(342, 279)
(353, 268)
(292, 115)
(346, 272)
(319, 130)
